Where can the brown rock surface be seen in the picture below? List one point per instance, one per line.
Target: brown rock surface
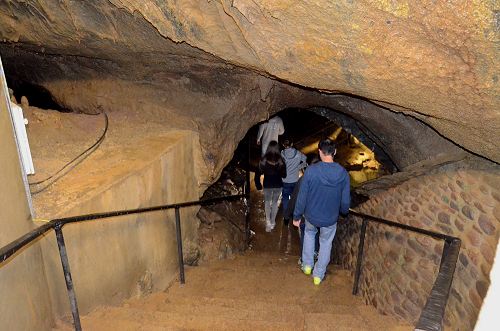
(437, 61)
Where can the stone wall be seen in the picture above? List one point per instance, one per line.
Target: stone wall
(400, 268)
(122, 257)
(24, 299)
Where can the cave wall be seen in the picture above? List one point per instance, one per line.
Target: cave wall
(218, 100)
(400, 268)
(437, 61)
(129, 256)
(25, 301)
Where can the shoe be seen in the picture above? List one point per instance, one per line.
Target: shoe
(307, 270)
(300, 261)
(316, 280)
(268, 229)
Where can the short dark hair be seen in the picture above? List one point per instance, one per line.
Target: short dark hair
(327, 146)
(287, 143)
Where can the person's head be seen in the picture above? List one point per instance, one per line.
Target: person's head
(273, 148)
(287, 143)
(273, 154)
(327, 150)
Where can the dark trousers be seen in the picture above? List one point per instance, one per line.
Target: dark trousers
(286, 193)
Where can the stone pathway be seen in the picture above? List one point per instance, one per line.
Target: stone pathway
(256, 291)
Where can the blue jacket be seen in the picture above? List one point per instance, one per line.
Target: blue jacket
(324, 192)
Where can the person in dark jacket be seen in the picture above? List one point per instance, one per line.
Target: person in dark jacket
(273, 167)
(324, 193)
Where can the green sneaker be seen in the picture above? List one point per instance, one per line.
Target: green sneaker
(316, 280)
(307, 269)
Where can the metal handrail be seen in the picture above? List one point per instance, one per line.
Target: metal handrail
(432, 315)
(57, 224)
(11, 248)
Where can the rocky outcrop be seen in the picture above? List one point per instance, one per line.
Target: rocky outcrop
(434, 61)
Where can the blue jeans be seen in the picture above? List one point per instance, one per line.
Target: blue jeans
(316, 242)
(326, 235)
(286, 193)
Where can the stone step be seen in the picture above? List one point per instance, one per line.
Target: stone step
(251, 292)
(137, 319)
(278, 287)
(182, 321)
(222, 307)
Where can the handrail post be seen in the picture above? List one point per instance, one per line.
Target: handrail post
(360, 257)
(67, 277)
(247, 221)
(247, 195)
(179, 245)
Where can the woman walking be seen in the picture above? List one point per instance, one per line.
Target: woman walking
(273, 167)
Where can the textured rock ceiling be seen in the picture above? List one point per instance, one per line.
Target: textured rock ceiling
(435, 60)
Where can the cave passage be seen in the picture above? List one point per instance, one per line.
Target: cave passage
(37, 95)
(305, 129)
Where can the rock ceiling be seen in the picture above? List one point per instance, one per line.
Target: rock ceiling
(437, 61)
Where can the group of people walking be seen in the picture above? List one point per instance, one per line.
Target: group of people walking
(313, 201)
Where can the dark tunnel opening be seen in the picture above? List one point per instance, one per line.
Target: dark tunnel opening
(305, 128)
(37, 95)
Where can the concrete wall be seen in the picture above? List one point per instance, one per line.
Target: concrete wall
(24, 298)
(400, 268)
(121, 257)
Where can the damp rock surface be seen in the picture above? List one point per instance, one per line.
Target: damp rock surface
(435, 61)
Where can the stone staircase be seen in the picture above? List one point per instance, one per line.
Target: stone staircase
(256, 291)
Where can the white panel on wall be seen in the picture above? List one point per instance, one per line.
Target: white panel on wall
(22, 138)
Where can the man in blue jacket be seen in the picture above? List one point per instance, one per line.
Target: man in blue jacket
(324, 193)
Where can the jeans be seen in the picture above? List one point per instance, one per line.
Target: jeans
(326, 236)
(302, 228)
(271, 197)
(286, 193)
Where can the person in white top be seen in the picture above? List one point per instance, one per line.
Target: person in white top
(269, 131)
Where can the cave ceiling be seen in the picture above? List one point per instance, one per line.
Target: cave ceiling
(437, 61)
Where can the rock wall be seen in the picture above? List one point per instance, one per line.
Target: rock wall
(25, 302)
(219, 100)
(400, 268)
(434, 60)
(123, 257)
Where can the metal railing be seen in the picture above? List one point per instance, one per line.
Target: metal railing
(432, 315)
(57, 224)
(430, 319)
